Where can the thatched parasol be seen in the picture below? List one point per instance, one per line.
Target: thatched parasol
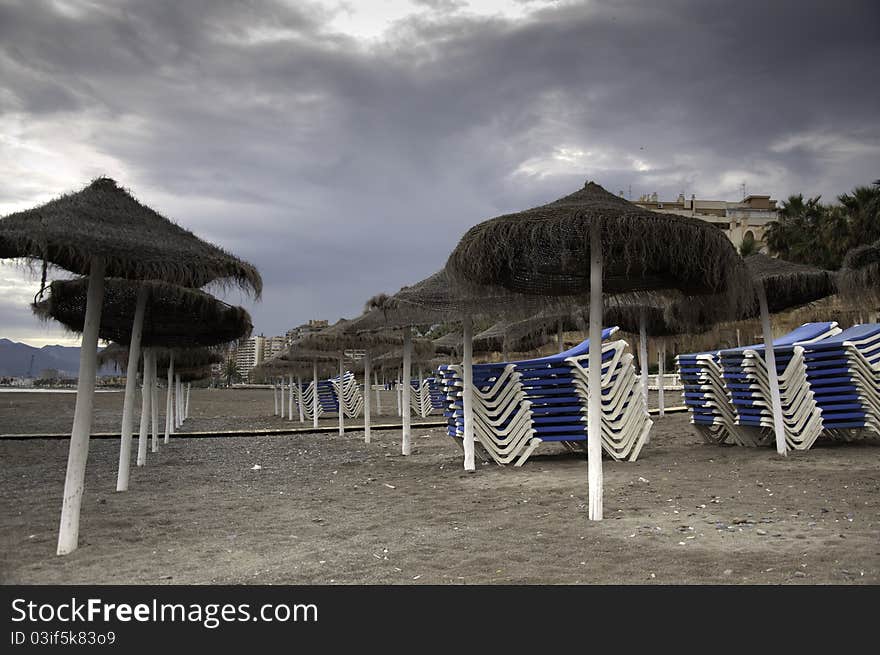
(859, 277)
(295, 357)
(435, 300)
(449, 343)
(104, 221)
(789, 285)
(524, 334)
(187, 358)
(337, 338)
(174, 316)
(102, 230)
(544, 252)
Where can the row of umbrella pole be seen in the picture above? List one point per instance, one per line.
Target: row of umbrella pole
(176, 412)
(288, 398)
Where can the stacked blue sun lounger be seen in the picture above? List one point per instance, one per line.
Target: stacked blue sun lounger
(706, 396)
(350, 393)
(438, 398)
(747, 382)
(829, 382)
(843, 373)
(520, 405)
(328, 396)
(421, 398)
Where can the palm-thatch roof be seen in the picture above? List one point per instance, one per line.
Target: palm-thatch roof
(115, 353)
(184, 358)
(275, 367)
(422, 354)
(104, 220)
(338, 337)
(194, 374)
(449, 343)
(545, 251)
(788, 285)
(175, 316)
(860, 275)
(436, 300)
(187, 358)
(521, 335)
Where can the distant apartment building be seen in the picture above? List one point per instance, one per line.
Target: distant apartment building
(258, 349)
(273, 346)
(248, 354)
(741, 220)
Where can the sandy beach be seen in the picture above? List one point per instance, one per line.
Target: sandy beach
(319, 508)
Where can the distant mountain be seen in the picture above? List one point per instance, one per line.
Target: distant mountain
(15, 360)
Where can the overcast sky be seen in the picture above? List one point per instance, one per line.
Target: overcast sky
(344, 147)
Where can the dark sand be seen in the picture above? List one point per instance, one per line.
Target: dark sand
(325, 509)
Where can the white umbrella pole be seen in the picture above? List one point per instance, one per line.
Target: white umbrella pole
(179, 412)
(339, 396)
(772, 376)
(560, 342)
(406, 445)
(643, 355)
(467, 375)
(290, 398)
(378, 394)
(146, 409)
(154, 399)
(661, 364)
(169, 400)
(186, 404)
(299, 398)
(68, 532)
(315, 395)
(367, 397)
(282, 396)
(275, 396)
(131, 374)
(399, 390)
(594, 379)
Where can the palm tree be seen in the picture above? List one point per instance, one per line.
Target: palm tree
(796, 236)
(863, 209)
(231, 373)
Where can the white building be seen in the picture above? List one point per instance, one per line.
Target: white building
(739, 220)
(248, 354)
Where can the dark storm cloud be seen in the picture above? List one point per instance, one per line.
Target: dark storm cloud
(344, 168)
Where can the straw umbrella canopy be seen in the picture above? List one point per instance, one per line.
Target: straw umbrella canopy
(544, 252)
(436, 300)
(449, 343)
(859, 276)
(174, 316)
(337, 339)
(184, 358)
(295, 357)
(103, 231)
(781, 285)
(271, 370)
(194, 374)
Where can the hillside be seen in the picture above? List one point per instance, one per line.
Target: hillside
(15, 360)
